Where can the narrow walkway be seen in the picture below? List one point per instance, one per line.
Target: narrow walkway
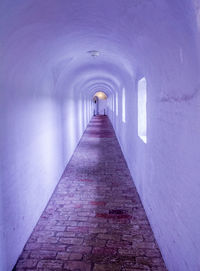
(94, 220)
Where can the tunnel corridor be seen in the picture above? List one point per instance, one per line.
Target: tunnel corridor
(143, 58)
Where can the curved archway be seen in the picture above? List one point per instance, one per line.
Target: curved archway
(100, 103)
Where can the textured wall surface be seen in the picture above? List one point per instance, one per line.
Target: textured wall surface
(47, 81)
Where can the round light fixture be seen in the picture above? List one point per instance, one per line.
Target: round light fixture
(94, 53)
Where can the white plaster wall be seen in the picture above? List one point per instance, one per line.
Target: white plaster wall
(166, 173)
(38, 136)
(172, 161)
(166, 169)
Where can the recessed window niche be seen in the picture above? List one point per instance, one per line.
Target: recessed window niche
(142, 112)
(116, 103)
(123, 106)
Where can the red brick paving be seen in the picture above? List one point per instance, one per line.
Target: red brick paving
(95, 220)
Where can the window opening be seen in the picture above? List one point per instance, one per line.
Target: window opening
(123, 106)
(142, 114)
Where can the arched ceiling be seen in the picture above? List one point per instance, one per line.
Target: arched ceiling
(50, 40)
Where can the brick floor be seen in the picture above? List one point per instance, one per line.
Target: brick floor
(95, 220)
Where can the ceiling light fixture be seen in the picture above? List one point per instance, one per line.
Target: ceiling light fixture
(94, 53)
